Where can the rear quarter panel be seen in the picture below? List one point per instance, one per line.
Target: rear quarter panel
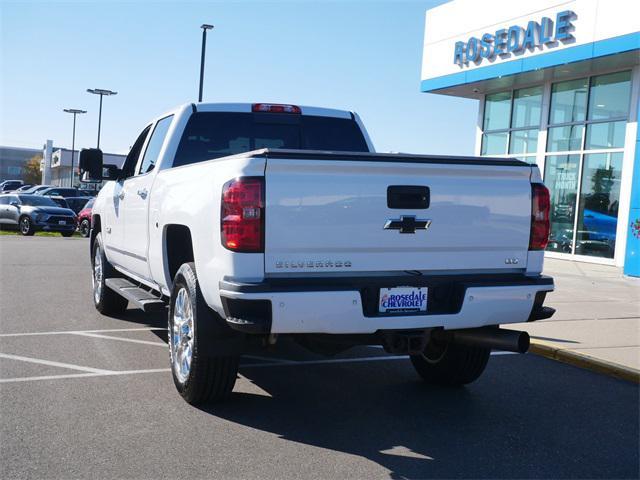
(190, 195)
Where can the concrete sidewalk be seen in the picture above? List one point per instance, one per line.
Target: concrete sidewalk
(597, 320)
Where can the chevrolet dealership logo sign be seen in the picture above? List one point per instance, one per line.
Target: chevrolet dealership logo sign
(509, 41)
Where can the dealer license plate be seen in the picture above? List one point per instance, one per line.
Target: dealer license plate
(403, 299)
(62, 222)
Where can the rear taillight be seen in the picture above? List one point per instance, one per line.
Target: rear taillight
(540, 206)
(275, 108)
(242, 215)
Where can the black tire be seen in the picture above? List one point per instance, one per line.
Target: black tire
(449, 364)
(105, 300)
(208, 378)
(66, 234)
(85, 228)
(26, 226)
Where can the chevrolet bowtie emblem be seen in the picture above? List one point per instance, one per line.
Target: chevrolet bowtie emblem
(407, 224)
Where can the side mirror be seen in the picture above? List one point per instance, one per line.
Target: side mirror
(14, 203)
(91, 165)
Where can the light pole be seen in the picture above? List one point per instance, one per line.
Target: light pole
(75, 112)
(102, 93)
(204, 28)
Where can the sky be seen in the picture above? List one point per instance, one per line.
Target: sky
(363, 56)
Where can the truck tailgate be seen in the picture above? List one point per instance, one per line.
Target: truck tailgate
(329, 215)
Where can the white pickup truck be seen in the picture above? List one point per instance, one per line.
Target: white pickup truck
(255, 221)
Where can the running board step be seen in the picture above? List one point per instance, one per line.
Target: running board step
(140, 297)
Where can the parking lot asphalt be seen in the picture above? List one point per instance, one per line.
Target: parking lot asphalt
(87, 396)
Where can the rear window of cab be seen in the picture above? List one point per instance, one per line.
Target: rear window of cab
(209, 135)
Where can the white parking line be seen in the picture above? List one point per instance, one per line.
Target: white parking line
(122, 339)
(273, 362)
(77, 332)
(110, 373)
(83, 375)
(54, 364)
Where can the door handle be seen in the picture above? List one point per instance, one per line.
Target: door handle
(143, 192)
(121, 195)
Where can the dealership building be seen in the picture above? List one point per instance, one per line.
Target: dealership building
(559, 86)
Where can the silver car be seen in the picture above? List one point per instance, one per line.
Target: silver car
(32, 213)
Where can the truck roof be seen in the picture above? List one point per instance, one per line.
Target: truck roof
(247, 107)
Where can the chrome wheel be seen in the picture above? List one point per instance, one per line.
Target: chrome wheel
(97, 275)
(181, 341)
(25, 226)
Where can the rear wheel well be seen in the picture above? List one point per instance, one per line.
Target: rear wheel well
(178, 248)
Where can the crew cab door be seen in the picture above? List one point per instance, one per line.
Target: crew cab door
(112, 218)
(137, 190)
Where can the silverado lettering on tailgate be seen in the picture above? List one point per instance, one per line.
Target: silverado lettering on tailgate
(313, 264)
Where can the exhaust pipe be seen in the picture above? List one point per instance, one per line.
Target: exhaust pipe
(487, 337)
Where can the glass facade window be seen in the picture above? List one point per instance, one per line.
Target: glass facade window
(605, 135)
(609, 96)
(523, 141)
(494, 143)
(527, 107)
(585, 185)
(585, 139)
(497, 110)
(511, 122)
(564, 139)
(561, 178)
(598, 209)
(568, 101)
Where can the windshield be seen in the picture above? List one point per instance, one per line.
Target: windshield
(217, 134)
(36, 201)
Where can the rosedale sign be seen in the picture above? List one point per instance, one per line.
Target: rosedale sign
(515, 39)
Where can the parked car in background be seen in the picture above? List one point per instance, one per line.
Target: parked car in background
(77, 203)
(36, 188)
(23, 188)
(32, 213)
(10, 185)
(59, 192)
(84, 218)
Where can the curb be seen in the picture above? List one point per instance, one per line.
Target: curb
(583, 360)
